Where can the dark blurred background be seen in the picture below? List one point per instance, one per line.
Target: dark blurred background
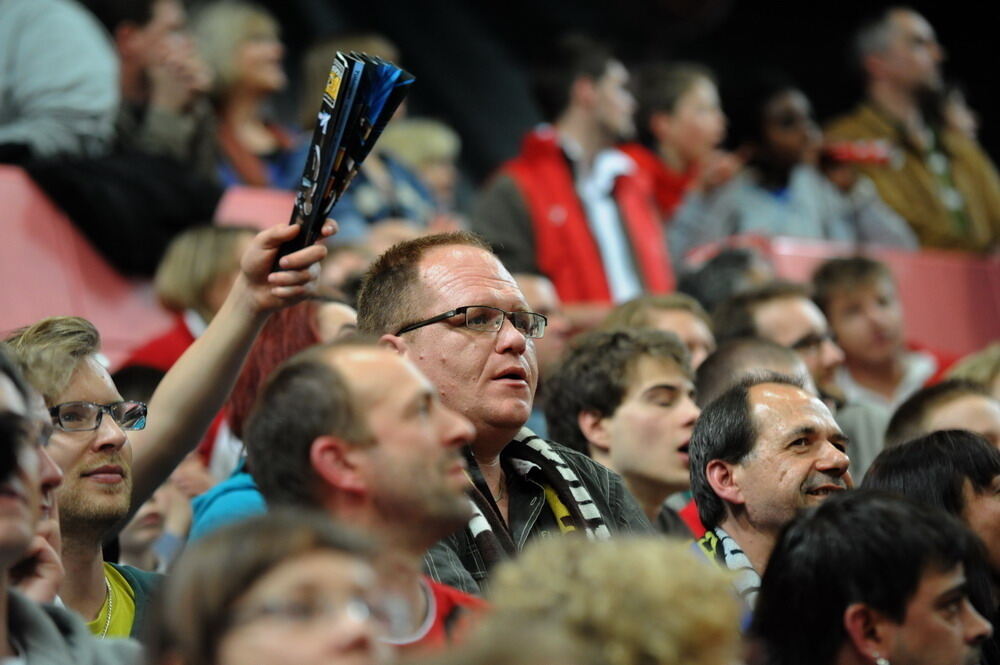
(472, 58)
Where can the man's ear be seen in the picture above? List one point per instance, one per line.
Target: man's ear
(721, 478)
(869, 631)
(594, 427)
(335, 463)
(394, 342)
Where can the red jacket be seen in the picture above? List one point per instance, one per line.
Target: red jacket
(565, 249)
(669, 186)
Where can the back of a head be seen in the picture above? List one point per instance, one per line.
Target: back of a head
(735, 359)
(194, 610)
(594, 376)
(194, 261)
(419, 141)
(909, 420)
(933, 469)
(50, 350)
(390, 293)
(734, 318)
(570, 58)
(982, 367)
(731, 271)
(845, 274)
(633, 600)
(305, 398)
(862, 546)
(286, 333)
(725, 431)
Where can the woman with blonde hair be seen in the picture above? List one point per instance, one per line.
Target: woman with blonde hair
(241, 42)
(635, 601)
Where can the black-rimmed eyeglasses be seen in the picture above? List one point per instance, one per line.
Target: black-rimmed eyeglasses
(483, 318)
(87, 416)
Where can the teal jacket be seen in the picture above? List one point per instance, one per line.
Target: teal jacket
(144, 584)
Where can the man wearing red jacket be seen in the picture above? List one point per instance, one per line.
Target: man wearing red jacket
(571, 206)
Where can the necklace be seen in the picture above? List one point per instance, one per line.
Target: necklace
(500, 488)
(111, 602)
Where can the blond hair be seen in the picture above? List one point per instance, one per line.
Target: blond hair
(50, 350)
(420, 141)
(981, 367)
(639, 601)
(319, 58)
(194, 260)
(220, 28)
(636, 312)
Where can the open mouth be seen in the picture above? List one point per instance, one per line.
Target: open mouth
(825, 490)
(513, 374)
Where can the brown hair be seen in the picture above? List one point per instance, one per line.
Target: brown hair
(194, 607)
(660, 86)
(907, 422)
(636, 312)
(734, 318)
(846, 274)
(305, 398)
(50, 350)
(389, 293)
(194, 260)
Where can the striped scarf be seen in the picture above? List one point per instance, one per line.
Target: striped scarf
(720, 547)
(565, 494)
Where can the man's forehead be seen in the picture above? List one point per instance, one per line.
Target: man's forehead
(90, 381)
(788, 317)
(782, 407)
(457, 271)
(372, 373)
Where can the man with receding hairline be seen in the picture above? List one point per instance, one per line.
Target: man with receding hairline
(940, 181)
(449, 305)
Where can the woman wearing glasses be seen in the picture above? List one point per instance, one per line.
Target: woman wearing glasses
(281, 588)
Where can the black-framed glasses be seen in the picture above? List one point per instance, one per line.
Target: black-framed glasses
(87, 416)
(484, 318)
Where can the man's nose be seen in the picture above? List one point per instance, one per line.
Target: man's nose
(109, 434)
(510, 338)
(833, 355)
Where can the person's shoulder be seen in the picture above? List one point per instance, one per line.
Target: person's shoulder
(55, 635)
(861, 122)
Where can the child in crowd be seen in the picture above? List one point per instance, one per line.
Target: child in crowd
(680, 125)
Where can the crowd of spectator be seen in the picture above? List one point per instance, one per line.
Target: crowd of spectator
(564, 419)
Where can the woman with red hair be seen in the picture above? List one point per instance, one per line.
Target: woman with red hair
(292, 330)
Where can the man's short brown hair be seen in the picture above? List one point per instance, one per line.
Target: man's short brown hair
(846, 274)
(734, 318)
(307, 397)
(389, 297)
(50, 350)
(636, 312)
(595, 373)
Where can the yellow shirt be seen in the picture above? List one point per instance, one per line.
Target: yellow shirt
(122, 599)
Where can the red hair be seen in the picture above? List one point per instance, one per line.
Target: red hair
(286, 333)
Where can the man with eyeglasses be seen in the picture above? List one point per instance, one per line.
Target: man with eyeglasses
(31, 632)
(105, 478)
(784, 312)
(449, 305)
